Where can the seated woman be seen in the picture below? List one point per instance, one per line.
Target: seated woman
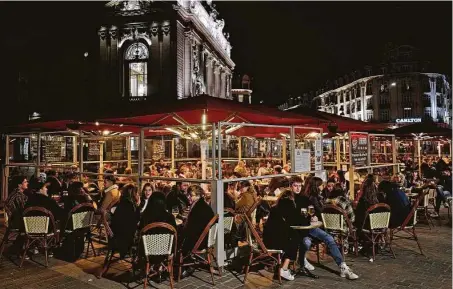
(146, 194)
(77, 195)
(399, 203)
(229, 200)
(247, 198)
(367, 199)
(337, 198)
(41, 199)
(156, 211)
(278, 235)
(125, 219)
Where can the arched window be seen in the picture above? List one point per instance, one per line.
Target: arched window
(136, 61)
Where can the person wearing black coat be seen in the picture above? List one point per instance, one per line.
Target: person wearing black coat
(177, 197)
(200, 215)
(41, 199)
(125, 220)
(155, 212)
(277, 233)
(399, 203)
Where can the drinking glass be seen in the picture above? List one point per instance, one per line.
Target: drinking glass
(175, 211)
(303, 211)
(311, 210)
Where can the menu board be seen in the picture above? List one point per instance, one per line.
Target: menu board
(94, 148)
(53, 149)
(359, 149)
(115, 149)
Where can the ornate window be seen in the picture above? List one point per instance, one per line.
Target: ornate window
(136, 61)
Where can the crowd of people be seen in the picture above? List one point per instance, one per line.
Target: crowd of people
(129, 208)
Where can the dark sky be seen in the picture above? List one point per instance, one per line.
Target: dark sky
(288, 47)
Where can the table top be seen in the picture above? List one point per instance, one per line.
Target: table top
(313, 225)
(412, 195)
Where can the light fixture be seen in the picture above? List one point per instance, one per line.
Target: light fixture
(106, 132)
(96, 123)
(175, 131)
(393, 84)
(85, 54)
(178, 120)
(284, 135)
(125, 133)
(193, 135)
(121, 125)
(203, 120)
(233, 128)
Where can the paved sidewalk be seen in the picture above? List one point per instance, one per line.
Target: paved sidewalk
(408, 270)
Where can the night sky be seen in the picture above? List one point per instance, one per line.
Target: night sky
(287, 47)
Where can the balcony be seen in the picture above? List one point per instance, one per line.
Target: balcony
(137, 98)
(369, 106)
(384, 105)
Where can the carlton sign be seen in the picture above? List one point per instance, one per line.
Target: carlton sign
(408, 120)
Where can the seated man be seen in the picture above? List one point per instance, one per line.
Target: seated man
(177, 197)
(197, 220)
(303, 201)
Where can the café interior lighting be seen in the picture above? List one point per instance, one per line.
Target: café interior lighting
(393, 84)
(105, 132)
(96, 123)
(233, 128)
(175, 131)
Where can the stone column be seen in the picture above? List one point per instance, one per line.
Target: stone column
(216, 80)
(363, 100)
(222, 83)
(433, 98)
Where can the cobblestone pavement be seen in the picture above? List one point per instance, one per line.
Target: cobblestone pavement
(408, 270)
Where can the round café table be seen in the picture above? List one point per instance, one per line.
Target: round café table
(313, 225)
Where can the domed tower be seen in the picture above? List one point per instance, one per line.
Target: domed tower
(164, 49)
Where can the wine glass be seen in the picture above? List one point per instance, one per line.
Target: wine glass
(175, 211)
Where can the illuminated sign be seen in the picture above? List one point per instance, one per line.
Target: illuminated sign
(408, 120)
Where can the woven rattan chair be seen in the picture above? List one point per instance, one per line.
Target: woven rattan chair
(259, 254)
(162, 244)
(337, 223)
(197, 253)
(40, 230)
(80, 219)
(423, 207)
(377, 233)
(408, 225)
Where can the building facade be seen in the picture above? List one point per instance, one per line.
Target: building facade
(400, 90)
(242, 91)
(164, 49)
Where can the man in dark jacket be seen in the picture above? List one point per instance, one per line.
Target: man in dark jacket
(178, 198)
(41, 199)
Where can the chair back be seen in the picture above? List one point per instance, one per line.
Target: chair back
(379, 216)
(253, 238)
(432, 193)
(211, 229)
(37, 221)
(159, 244)
(411, 219)
(333, 218)
(228, 220)
(7, 215)
(82, 216)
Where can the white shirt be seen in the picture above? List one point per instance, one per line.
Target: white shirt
(144, 207)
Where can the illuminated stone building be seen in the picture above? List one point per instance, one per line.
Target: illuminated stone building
(164, 49)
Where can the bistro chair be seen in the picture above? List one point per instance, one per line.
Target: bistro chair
(10, 234)
(40, 230)
(259, 254)
(80, 220)
(423, 208)
(158, 245)
(228, 221)
(337, 223)
(197, 254)
(377, 232)
(408, 225)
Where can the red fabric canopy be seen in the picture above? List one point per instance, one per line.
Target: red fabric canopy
(187, 111)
